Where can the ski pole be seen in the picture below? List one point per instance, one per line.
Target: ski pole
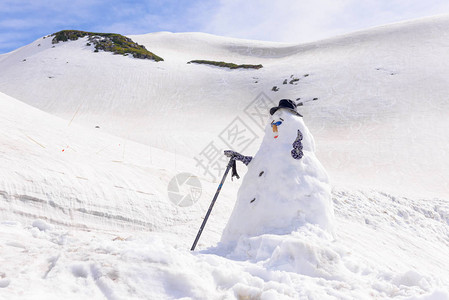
(231, 161)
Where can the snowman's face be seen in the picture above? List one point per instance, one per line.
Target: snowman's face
(276, 121)
(282, 130)
(274, 126)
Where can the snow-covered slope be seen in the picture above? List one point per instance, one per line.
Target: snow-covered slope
(95, 217)
(83, 178)
(381, 91)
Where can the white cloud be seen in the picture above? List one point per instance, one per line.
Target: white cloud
(16, 24)
(275, 20)
(186, 18)
(308, 20)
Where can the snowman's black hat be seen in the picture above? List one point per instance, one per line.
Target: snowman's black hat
(287, 104)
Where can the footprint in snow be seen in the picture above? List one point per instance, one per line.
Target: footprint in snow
(79, 271)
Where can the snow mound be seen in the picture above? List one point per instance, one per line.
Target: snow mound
(435, 295)
(42, 225)
(4, 283)
(307, 251)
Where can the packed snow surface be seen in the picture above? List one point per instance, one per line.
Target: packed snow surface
(90, 141)
(387, 247)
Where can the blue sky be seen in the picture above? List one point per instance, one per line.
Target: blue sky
(296, 21)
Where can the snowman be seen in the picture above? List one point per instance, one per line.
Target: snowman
(286, 187)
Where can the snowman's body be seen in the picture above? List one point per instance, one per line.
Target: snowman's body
(280, 193)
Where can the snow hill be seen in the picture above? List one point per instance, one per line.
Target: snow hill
(90, 141)
(381, 91)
